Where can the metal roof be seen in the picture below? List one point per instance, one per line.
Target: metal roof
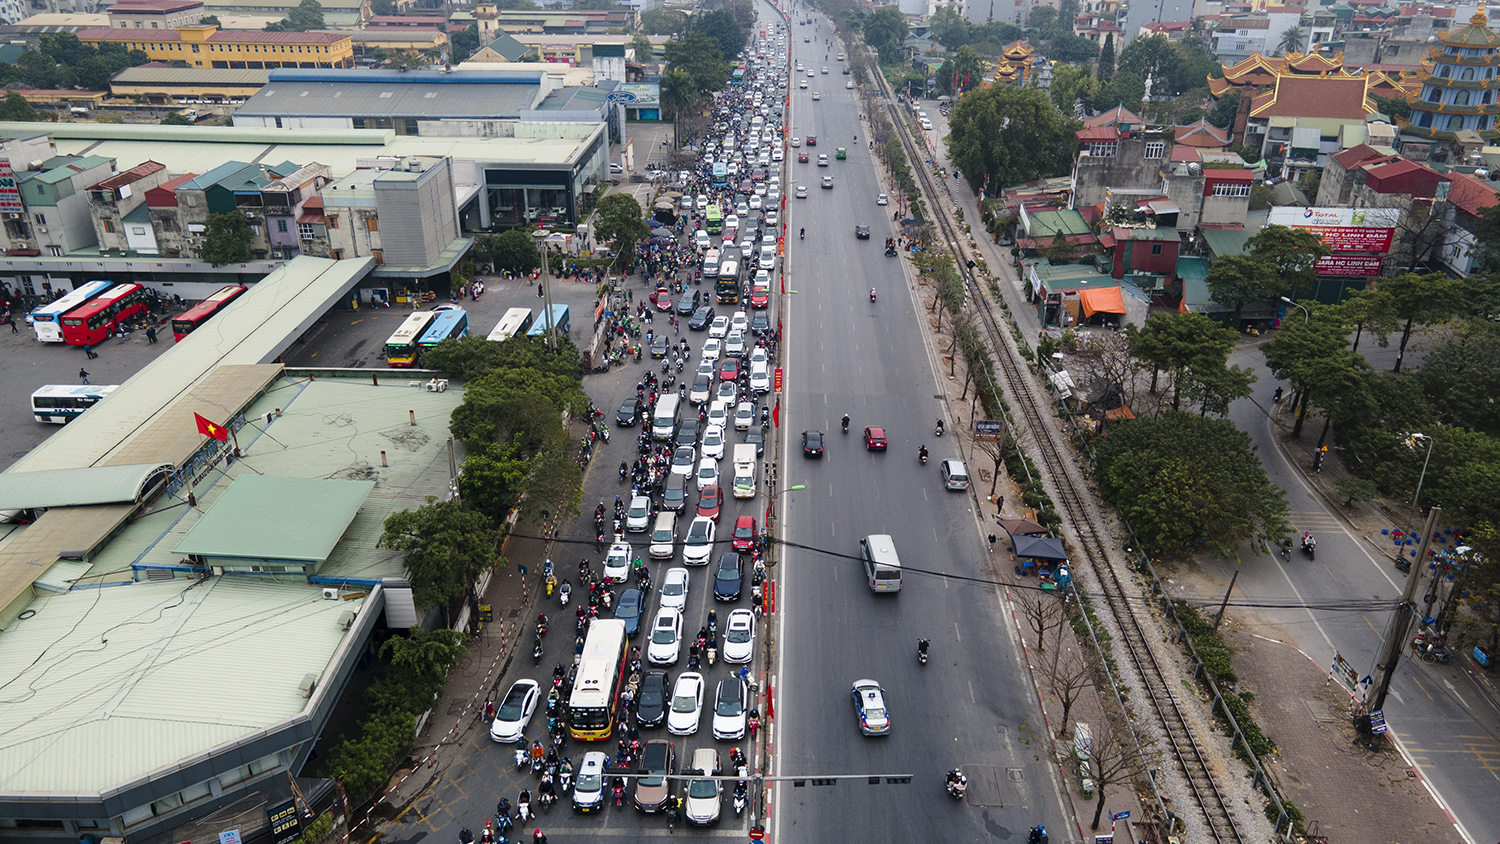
(73, 487)
(264, 518)
(205, 76)
(460, 94)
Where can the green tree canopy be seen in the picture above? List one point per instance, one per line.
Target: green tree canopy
(1419, 300)
(444, 550)
(1234, 281)
(1460, 377)
(464, 43)
(1194, 349)
(18, 108)
(514, 250)
(1185, 483)
(1313, 354)
(226, 239)
(663, 21)
(308, 16)
(1072, 85)
(1010, 134)
(1292, 254)
(176, 119)
(619, 219)
(885, 29)
(962, 69)
(699, 57)
(723, 29)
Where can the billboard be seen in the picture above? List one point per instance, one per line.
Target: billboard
(10, 194)
(1342, 229)
(1349, 265)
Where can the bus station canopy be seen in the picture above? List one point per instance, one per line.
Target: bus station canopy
(78, 487)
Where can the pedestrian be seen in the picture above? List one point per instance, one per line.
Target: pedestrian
(992, 543)
(151, 335)
(88, 350)
(83, 374)
(539, 291)
(10, 320)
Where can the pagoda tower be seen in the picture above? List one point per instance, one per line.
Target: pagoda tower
(1462, 90)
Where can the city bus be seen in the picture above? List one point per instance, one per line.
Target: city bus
(449, 325)
(721, 174)
(190, 320)
(515, 321)
(45, 319)
(727, 285)
(401, 349)
(601, 675)
(59, 404)
(714, 217)
(739, 76)
(558, 317)
(93, 322)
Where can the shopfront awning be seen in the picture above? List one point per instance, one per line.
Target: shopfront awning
(1102, 300)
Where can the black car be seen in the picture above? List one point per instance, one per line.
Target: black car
(687, 433)
(659, 346)
(674, 492)
(651, 706)
(628, 610)
(862, 232)
(629, 411)
(701, 318)
(689, 302)
(812, 443)
(729, 574)
(760, 323)
(757, 437)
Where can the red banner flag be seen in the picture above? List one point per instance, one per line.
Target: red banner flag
(209, 429)
(776, 415)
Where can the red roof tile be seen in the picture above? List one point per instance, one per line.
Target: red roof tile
(1314, 96)
(126, 177)
(1099, 133)
(1472, 195)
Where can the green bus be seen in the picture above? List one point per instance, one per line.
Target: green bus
(715, 217)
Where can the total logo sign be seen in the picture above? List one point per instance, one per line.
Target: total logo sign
(1292, 216)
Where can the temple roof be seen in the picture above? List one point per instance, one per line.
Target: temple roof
(1338, 97)
(1202, 134)
(1476, 34)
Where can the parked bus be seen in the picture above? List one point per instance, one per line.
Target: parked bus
(45, 320)
(190, 320)
(515, 321)
(96, 321)
(596, 688)
(558, 317)
(58, 404)
(727, 286)
(715, 220)
(401, 349)
(448, 325)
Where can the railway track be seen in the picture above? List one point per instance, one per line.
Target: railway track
(1189, 755)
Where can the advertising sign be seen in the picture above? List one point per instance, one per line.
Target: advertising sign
(1349, 265)
(10, 195)
(285, 825)
(1342, 229)
(1353, 238)
(776, 380)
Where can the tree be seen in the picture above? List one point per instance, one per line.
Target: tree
(948, 27)
(1191, 346)
(1291, 40)
(699, 57)
(1225, 109)
(1068, 680)
(961, 70)
(176, 119)
(645, 51)
(1043, 614)
(885, 29)
(678, 93)
(383, 7)
(226, 239)
(1107, 58)
(663, 22)
(1073, 87)
(1459, 376)
(306, 17)
(1419, 300)
(1072, 48)
(1114, 761)
(464, 43)
(1292, 254)
(1010, 135)
(18, 108)
(1371, 308)
(619, 219)
(723, 29)
(1186, 483)
(444, 551)
(1393, 107)
(1125, 89)
(1312, 354)
(514, 250)
(1236, 280)
(597, 5)
(1043, 19)
(210, 20)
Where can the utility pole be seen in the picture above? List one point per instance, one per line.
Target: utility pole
(1395, 637)
(1218, 619)
(545, 280)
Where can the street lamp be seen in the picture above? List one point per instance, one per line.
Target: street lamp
(1305, 312)
(543, 279)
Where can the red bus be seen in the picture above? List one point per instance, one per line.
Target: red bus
(90, 324)
(198, 314)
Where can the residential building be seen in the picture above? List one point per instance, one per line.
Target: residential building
(116, 198)
(1237, 37)
(337, 14)
(1145, 12)
(57, 203)
(155, 14)
(1460, 93)
(402, 213)
(1113, 159)
(396, 39)
(1468, 197)
(209, 46)
(1300, 121)
(1335, 186)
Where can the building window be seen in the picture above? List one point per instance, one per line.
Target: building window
(55, 251)
(41, 220)
(1468, 74)
(338, 254)
(1156, 149)
(333, 222)
(281, 226)
(1156, 249)
(372, 224)
(1434, 94)
(305, 231)
(1461, 98)
(109, 226)
(379, 256)
(1231, 190)
(1102, 149)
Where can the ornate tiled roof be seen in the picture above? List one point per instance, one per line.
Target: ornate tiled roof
(1476, 34)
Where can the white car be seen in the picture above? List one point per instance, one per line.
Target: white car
(698, 546)
(705, 367)
(700, 239)
(686, 203)
(757, 355)
(778, 155)
(755, 203)
(674, 588)
(700, 391)
(760, 189)
(702, 201)
(719, 327)
(849, 84)
(810, 73)
(617, 563)
(882, 200)
(817, 96)
(704, 795)
(772, 217)
(739, 637)
(739, 321)
(686, 708)
(731, 222)
(588, 783)
(718, 414)
(515, 711)
(734, 344)
(638, 515)
(713, 441)
(663, 536)
(666, 637)
(729, 393)
(708, 473)
(802, 191)
(742, 208)
(731, 706)
(773, 196)
(796, 141)
(683, 459)
(767, 258)
(712, 348)
(825, 68)
(747, 248)
(744, 416)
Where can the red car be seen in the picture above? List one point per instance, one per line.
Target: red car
(875, 438)
(709, 501)
(802, 157)
(812, 140)
(760, 297)
(744, 533)
(729, 369)
(662, 299)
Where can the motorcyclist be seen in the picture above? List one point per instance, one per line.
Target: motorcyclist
(1038, 835)
(922, 647)
(922, 452)
(940, 426)
(872, 294)
(802, 233)
(846, 423)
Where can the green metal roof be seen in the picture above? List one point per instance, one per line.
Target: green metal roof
(264, 518)
(1046, 224)
(75, 487)
(1225, 241)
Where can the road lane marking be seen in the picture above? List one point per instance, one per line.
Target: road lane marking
(972, 699)
(956, 635)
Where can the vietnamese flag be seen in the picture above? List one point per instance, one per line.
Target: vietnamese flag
(776, 414)
(209, 429)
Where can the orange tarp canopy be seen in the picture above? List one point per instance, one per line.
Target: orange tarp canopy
(1102, 300)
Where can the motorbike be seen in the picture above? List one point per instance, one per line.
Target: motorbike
(1309, 546)
(551, 584)
(957, 784)
(523, 810)
(872, 294)
(522, 758)
(713, 654)
(565, 592)
(846, 423)
(739, 798)
(922, 455)
(922, 651)
(536, 650)
(939, 431)
(541, 625)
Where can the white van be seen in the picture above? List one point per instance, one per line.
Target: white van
(664, 418)
(882, 566)
(955, 476)
(711, 264)
(663, 536)
(744, 470)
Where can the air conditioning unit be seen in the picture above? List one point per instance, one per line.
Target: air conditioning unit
(330, 593)
(42, 229)
(346, 619)
(308, 684)
(11, 215)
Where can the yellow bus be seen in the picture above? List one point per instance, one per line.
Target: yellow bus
(601, 676)
(401, 349)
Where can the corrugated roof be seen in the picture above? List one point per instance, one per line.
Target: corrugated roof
(223, 36)
(206, 76)
(126, 177)
(1225, 241)
(308, 514)
(74, 487)
(462, 94)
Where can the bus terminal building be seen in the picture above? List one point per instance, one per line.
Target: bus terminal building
(179, 615)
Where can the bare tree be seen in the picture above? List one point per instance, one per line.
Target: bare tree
(1042, 613)
(1106, 358)
(1114, 760)
(995, 450)
(1069, 679)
